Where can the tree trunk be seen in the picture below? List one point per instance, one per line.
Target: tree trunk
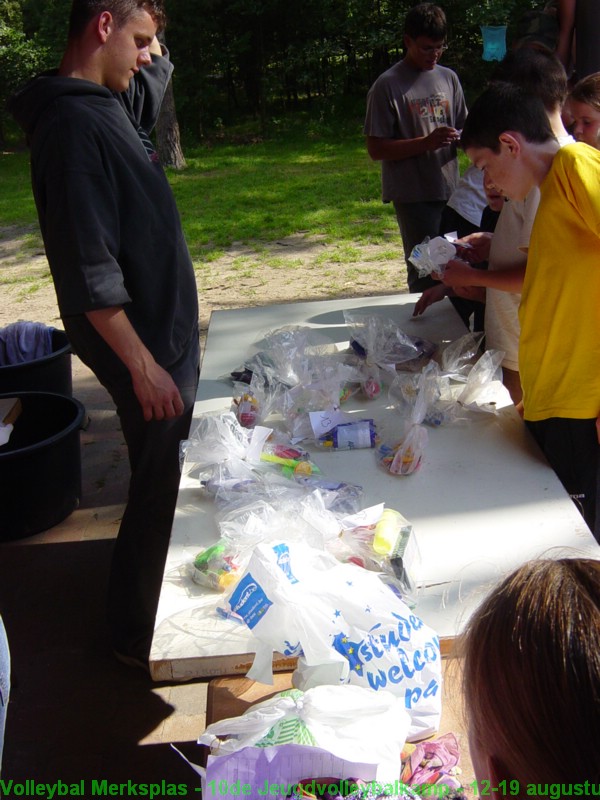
(168, 141)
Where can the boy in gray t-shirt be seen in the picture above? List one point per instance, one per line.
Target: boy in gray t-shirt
(413, 112)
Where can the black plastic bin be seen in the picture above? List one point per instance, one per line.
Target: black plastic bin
(40, 465)
(50, 373)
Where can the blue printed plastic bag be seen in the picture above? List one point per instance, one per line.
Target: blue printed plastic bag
(345, 626)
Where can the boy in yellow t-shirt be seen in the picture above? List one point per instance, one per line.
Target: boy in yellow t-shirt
(508, 136)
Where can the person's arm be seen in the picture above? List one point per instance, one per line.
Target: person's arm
(398, 149)
(153, 386)
(436, 293)
(143, 99)
(458, 273)
(430, 296)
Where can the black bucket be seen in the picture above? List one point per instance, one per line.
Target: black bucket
(50, 373)
(40, 465)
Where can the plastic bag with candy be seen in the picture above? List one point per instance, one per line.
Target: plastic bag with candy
(299, 401)
(339, 497)
(217, 567)
(284, 356)
(385, 348)
(436, 394)
(404, 457)
(291, 459)
(432, 255)
(303, 517)
(388, 547)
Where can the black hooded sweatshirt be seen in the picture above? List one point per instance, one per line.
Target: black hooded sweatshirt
(107, 214)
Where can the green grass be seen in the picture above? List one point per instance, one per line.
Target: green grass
(270, 190)
(264, 191)
(16, 201)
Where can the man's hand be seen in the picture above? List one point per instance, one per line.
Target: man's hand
(478, 249)
(458, 273)
(430, 296)
(441, 137)
(158, 395)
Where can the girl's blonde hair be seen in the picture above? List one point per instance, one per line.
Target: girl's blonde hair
(587, 91)
(532, 673)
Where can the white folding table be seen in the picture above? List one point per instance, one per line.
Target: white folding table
(483, 501)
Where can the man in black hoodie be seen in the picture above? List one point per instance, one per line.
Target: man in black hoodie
(123, 275)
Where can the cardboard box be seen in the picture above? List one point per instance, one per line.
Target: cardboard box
(10, 408)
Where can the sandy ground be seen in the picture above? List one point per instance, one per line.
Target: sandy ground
(299, 267)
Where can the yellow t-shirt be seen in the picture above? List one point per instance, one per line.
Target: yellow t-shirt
(559, 351)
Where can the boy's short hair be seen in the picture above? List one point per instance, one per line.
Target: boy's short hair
(426, 19)
(537, 72)
(505, 107)
(587, 91)
(82, 11)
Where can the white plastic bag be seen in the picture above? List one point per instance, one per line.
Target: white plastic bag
(432, 255)
(344, 622)
(350, 722)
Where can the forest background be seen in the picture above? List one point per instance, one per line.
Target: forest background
(253, 63)
(278, 197)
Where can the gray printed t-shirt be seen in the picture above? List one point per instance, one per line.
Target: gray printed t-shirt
(405, 103)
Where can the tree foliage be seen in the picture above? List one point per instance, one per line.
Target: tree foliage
(261, 58)
(21, 57)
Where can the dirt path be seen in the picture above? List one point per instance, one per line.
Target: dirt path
(299, 267)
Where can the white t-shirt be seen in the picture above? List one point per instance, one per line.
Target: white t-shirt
(508, 249)
(468, 199)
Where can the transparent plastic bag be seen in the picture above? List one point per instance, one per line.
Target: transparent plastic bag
(451, 396)
(439, 400)
(404, 456)
(300, 401)
(284, 356)
(216, 438)
(301, 516)
(432, 255)
(457, 357)
(483, 382)
(388, 547)
(385, 348)
(218, 567)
